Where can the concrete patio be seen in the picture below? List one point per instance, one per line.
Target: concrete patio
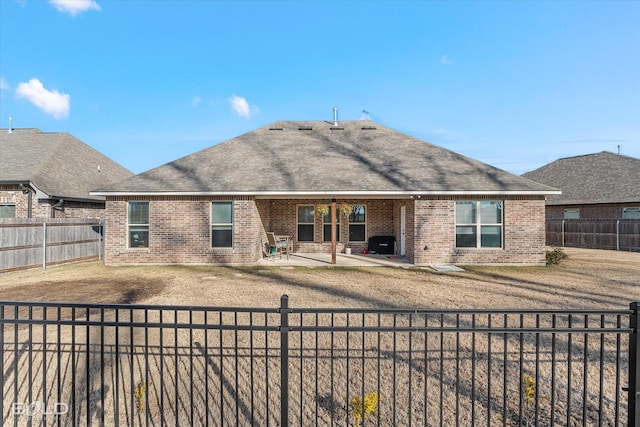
(342, 260)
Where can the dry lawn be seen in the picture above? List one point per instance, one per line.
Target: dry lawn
(214, 376)
(587, 279)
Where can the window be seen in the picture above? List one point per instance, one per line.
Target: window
(326, 227)
(7, 211)
(222, 224)
(306, 223)
(572, 214)
(630, 213)
(479, 224)
(138, 224)
(357, 224)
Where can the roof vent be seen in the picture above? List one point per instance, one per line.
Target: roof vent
(305, 128)
(335, 116)
(368, 128)
(10, 130)
(276, 128)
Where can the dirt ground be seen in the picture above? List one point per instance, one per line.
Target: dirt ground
(435, 378)
(586, 279)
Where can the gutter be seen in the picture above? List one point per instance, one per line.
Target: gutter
(324, 194)
(58, 206)
(26, 189)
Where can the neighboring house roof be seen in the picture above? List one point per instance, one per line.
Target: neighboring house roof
(591, 179)
(56, 163)
(314, 158)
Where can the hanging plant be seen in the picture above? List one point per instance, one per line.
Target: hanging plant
(322, 210)
(345, 209)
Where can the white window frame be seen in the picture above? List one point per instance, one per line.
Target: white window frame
(298, 223)
(479, 224)
(222, 224)
(138, 225)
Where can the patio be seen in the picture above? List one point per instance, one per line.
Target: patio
(342, 260)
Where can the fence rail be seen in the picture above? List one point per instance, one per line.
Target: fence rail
(28, 243)
(621, 234)
(84, 364)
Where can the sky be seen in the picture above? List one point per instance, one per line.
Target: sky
(515, 84)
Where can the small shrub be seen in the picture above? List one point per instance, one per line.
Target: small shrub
(555, 256)
(139, 394)
(529, 395)
(362, 408)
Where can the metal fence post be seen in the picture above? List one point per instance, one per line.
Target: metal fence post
(284, 360)
(634, 366)
(44, 245)
(563, 233)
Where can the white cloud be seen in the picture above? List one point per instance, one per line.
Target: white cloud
(445, 60)
(240, 106)
(74, 7)
(4, 85)
(50, 101)
(196, 101)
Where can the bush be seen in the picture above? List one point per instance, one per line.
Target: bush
(555, 256)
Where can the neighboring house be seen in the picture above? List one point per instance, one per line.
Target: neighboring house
(433, 205)
(594, 186)
(50, 174)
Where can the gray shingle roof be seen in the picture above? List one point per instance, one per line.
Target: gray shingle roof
(595, 178)
(312, 157)
(56, 163)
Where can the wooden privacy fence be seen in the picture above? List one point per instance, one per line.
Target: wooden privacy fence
(620, 234)
(28, 243)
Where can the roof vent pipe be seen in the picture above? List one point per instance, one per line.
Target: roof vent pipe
(10, 128)
(335, 116)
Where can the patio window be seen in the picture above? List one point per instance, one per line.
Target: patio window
(222, 224)
(571, 214)
(138, 224)
(306, 220)
(357, 224)
(630, 213)
(479, 224)
(7, 211)
(326, 227)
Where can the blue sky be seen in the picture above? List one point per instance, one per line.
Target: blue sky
(513, 84)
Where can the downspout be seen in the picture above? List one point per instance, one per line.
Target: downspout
(29, 192)
(57, 206)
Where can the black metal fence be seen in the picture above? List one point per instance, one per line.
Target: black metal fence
(84, 364)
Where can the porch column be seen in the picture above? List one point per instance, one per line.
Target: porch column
(333, 231)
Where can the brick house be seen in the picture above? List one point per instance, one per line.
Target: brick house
(594, 186)
(50, 174)
(434, 205)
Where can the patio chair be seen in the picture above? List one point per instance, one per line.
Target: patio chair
(277, 245)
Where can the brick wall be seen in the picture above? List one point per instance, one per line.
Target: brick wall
(42, 208)
(283, 220)
(180, 230)
(11, 195)
(523, 229)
